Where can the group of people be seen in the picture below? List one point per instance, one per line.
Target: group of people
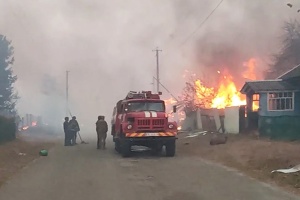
(72, 127)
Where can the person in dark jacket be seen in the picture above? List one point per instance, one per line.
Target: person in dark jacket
(101, 128)
(73, 128)
(67, 135)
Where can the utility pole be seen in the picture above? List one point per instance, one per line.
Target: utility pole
(67, 92)
(157, 68)
(153, 84)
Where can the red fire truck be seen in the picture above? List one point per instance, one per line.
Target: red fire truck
(141, 119)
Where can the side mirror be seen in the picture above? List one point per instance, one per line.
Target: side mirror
(174, 109)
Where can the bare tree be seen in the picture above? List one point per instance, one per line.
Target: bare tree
(196, 94)
(289, 56)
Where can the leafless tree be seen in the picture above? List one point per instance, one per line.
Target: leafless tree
(288, 56)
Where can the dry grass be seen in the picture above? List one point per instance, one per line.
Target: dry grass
(255, 157)
(11, 161)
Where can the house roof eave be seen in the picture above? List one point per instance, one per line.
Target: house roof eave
(283, 76)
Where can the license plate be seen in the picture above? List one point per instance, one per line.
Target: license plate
(151, 134)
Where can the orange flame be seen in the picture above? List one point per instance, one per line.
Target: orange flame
(251, 67)
(227, 95)
(203, 94)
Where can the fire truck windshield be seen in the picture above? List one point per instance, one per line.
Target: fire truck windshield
(145, 106)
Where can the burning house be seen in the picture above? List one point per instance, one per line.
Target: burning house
(218, 106)
(278, 115)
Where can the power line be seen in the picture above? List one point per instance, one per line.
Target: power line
(202, 23)
(166, 90)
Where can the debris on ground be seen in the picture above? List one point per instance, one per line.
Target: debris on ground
(287, 171)
(13, 158)
(149, 177)
(218, 139)
(195, 134)
(250, 155)
(43, 152)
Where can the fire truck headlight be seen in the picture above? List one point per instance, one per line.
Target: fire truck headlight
(171, 126)
(129, 126)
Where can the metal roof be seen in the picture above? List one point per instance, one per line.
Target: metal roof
(267, 85)
(295, 72)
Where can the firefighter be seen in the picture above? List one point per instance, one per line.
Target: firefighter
(66, 130)
(73, 128)
(101, 128)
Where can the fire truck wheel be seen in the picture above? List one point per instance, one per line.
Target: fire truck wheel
(117, 145)
(125, 148)
(113, 130)
(170, 148)
(157, 149)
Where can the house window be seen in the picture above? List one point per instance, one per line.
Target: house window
(280, 101)
(255, 102)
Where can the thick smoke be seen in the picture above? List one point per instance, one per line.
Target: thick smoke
(237, 31)
(107, 47)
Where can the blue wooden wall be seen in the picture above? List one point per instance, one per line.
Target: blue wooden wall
(263, 105)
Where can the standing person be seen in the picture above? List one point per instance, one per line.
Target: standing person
(67, 135)
(101, 128)
(73, 128)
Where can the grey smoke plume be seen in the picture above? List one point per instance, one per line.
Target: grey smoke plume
(237, 31)
(107, 47)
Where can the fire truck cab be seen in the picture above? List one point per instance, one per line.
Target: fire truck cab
(141, 119)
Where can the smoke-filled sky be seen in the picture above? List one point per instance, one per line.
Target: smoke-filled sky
(107, 47)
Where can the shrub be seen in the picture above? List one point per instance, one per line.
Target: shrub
(8, 129)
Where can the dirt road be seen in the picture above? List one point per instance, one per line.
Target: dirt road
(82, 172)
